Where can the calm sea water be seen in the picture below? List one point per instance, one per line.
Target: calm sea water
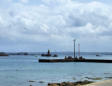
(18, 70)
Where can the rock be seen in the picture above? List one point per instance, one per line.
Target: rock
(94, 78)
(97, 78)
(85, 82)
(30, 85)
(79, 83)
(41, 81)
(109, 77)
(31, 81)
(69, 84)
(53, 84)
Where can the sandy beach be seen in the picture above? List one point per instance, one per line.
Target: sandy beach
(84, 83)
(101, 83)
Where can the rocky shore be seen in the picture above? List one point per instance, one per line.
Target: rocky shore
(78, 83)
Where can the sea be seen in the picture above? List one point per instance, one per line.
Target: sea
(25, 70)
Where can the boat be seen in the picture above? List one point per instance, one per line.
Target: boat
(48, 54)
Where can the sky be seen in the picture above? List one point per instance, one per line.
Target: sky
(38, 25)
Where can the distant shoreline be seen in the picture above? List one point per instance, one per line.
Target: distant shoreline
(61, 52)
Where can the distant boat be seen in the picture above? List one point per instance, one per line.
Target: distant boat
(48, 54)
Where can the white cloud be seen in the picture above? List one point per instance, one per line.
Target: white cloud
(56, 21)
(24, 1)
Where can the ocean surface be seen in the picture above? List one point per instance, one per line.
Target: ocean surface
(19, 70)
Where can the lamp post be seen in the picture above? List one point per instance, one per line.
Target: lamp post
(74, 47)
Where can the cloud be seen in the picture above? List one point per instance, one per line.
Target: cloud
(24, 1)
(55, 22)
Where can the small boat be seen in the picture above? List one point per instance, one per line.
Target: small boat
(48, 54)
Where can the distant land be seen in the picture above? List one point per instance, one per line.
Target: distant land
(39, 53)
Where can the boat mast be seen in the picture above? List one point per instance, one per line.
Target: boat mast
(74, 47)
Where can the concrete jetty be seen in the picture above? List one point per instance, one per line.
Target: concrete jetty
(76, 60)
